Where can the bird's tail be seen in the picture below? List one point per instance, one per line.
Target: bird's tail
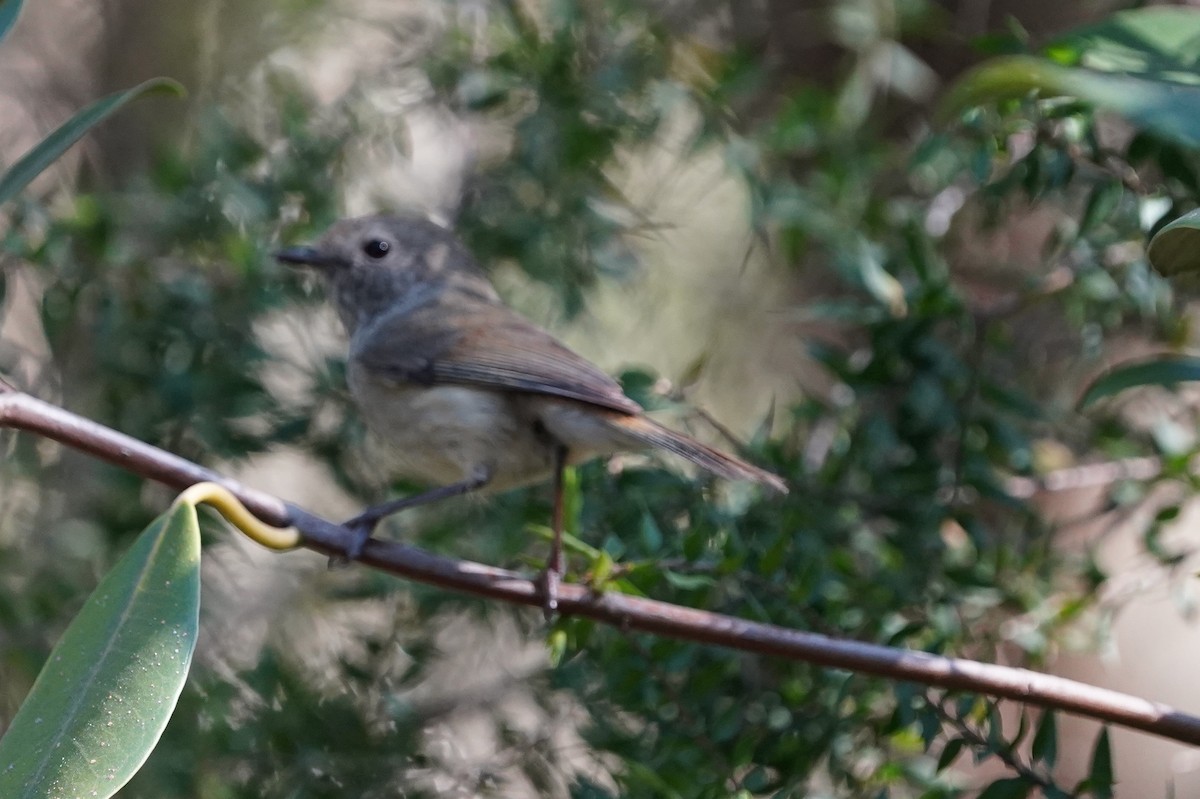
(652, 434)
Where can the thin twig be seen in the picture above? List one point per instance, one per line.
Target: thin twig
(1089, 475)
(978, 740)
(19, 410)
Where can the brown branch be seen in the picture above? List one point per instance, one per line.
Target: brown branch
(19, 410)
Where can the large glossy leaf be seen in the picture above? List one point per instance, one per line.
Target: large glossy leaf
(1161, 40)
(104, 696)
(1168, 108)
(45, 152)
(9, 9)
(1141, 64)
(1159, 371)
(1175, 249)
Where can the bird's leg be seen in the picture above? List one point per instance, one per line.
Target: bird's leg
(364, 523)
(555, 567)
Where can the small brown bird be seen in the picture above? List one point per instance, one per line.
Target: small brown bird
(471, 395)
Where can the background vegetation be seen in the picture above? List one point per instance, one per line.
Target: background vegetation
(943, 262)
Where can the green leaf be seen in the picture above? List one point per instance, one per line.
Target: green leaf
(1045, 742)
(1148, 40)
(1101, 203)
(949, 753)
(1011, 788)
(877, 280)
(1168, 108)
(688, 582)
(104, 696)
(48, 150)
(1175, 247)
(9, 9)
(652, 537)
(995, 730)
(1159, 371)
(556, 646)
(1100, 775)
(1140, 64)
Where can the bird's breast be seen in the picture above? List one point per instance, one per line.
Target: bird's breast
(442, 434)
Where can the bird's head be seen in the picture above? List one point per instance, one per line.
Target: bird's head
(384, 264)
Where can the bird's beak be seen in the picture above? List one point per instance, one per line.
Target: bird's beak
(304, 256)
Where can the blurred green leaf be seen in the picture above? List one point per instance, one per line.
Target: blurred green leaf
(1101, 203)
(1010, 788)
(107, 690)
(652, 537)
(1175, 248)
(1139, 63)
(49, 149)
(1045, 741)
(1100, 774)
(1158, 371)
(1163, 39)
(556, 646)
(688, 582)
(1169, 108)
(865, 265)
(949, 753)
(9, 9)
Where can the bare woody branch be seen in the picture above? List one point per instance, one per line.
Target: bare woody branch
(22, 411)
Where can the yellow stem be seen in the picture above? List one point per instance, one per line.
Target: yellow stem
(219, 497)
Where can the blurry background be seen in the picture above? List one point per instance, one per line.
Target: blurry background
(739, 207)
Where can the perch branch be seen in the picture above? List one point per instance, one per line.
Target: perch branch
(22, 411)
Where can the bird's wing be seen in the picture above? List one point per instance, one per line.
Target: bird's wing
(487, 346)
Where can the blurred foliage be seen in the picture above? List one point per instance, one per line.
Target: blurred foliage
(51, 148)
(574, 86)
(949, 368)
(1136, 63)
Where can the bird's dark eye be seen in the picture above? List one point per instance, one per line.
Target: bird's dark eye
(377, 248)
